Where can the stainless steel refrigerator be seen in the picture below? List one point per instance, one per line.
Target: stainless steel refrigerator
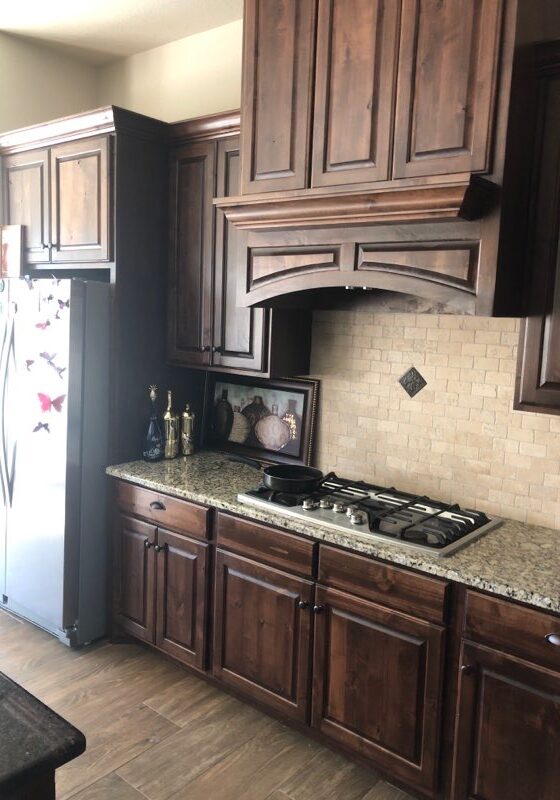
(54, 430)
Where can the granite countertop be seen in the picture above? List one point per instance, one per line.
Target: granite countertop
(33, 739)
(516, 560)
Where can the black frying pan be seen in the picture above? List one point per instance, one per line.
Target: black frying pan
(293, 478)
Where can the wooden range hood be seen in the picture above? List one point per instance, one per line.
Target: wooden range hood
(387, 150)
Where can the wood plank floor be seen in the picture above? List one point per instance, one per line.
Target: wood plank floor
(154, 731)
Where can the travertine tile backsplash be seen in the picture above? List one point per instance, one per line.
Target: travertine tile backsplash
(459, 439)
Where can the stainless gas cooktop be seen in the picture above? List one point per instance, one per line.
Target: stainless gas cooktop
(378, 513)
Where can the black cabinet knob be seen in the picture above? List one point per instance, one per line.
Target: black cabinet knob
(161, 548)
(467, 669)
(318, 609)
(553, 638)
(303, 605)
(147, 544)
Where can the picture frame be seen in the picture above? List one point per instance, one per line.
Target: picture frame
(11, 251)
(272, 421)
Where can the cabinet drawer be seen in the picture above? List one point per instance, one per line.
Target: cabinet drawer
(268, 545)
(396, 588)
(522, 631)
(169, 512)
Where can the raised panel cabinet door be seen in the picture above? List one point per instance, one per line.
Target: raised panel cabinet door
(538, 378)
(80, 224)
(262, 628)
(26, 201)
(189, 313)
(276, 101)
(182, 597)
(239, 333)
(134, 577)
(357, 47)
(448, 61)
(507, 735)
(377, 682)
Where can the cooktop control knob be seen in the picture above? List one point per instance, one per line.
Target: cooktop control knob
(309, 504)
(326, 502)
(357, 518)
(351, 510)
(339, 508)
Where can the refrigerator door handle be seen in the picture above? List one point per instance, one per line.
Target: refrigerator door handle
(8, 475)
(6, 335)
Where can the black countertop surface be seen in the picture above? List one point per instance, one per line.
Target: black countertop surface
(33, 739)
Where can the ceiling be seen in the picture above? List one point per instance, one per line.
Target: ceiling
(100, 31)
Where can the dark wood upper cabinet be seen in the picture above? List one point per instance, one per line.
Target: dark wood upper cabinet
(446, 84)
(354, 91)
(507, 728)
(240, 334)
(378, 685)
(80, 223)
(134, 576)
(261, 634)
(27, 201)
(538, 368)
(189, 316)
(182, 597)
(277, 94)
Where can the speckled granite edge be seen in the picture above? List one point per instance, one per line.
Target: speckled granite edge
(516, 560)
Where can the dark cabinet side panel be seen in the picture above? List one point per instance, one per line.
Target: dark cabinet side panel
(240, 334)
(27, 201)
(448, 64)
(277, 94)
(354, 90)
(190, 268)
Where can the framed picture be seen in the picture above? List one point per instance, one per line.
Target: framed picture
(269, 420)
(11, 251)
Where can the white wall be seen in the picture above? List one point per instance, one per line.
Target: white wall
(200, 74)
(38, 84)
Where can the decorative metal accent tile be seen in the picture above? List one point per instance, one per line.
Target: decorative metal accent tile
(412, 382)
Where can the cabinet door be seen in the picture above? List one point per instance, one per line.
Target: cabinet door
(507, 729)
(190, 270)
(134, 576)
(182, 597)
(26, 201)
(377, 685)
(239, 333)
(538, 373)
(261, 635)
(277, 94)
(80, 222)
(354, 90)
(446, 84)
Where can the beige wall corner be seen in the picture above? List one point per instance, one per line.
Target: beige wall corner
(38, 84)
(200, 74)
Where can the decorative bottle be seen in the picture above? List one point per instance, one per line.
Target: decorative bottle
(154, 442)
(187, 432)
(223, 417)
(171, 426)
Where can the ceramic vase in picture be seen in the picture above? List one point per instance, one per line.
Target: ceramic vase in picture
(154, 443)
(240, 428)
(272, 432)
(223, 417)
(254, 412)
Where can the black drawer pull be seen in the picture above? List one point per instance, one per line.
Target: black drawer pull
(553, 638)
(157, 505)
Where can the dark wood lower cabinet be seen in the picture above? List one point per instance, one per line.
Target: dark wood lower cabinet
(262, 633)
(377, 685)
(181, 597)
(507, 729)
(133, 576)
